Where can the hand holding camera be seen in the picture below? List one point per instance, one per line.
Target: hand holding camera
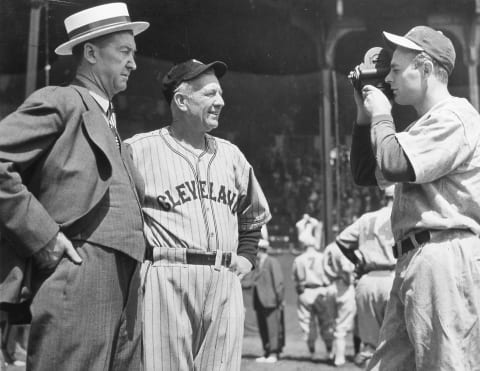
(372, 93)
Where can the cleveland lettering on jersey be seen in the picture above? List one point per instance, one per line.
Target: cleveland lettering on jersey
(193, 190)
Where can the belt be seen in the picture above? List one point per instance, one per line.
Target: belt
(208, 258)
(411, 242)
(314, 285)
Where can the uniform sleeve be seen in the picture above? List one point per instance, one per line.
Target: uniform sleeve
(253, 210)
(341, 267)
(348, 241)
(299, 276)
(25, 136)
(436, 145)
(391, 159)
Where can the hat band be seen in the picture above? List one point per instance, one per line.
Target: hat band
(91, 26)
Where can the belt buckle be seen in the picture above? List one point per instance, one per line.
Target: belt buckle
(218, 260)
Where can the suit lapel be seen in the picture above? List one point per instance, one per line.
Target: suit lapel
(96, 124)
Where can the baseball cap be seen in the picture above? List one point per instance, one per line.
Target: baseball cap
(186, 71)
(424, 38)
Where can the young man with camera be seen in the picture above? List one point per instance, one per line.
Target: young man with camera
(431, 322)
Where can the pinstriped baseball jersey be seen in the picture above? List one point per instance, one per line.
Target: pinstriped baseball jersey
(193, 315)
(197, 201)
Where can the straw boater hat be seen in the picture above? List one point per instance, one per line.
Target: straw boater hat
(98, 21)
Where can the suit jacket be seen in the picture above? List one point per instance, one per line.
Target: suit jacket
(269, 283)
(55, 165)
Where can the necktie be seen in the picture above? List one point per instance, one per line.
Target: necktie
(112, 123)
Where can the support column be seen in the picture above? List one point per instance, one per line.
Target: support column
(473, 83)
(324, 36)
(325, 129)
(32, 52)
(472, 61)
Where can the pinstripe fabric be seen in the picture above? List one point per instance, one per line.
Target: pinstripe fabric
(201, 328)
(108, 322)
(193, 315)
(197, 201)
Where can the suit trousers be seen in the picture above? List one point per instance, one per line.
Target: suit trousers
(86, 316)
(270, 326)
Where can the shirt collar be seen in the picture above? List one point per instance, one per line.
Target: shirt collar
(102, 102)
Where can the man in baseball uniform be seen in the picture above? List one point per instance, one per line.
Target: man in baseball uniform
(312, 286)
(432, 317)
(340, 299)
(367, 243)
(203, 210)
(308, 226)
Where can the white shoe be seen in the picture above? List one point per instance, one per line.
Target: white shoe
(19, 363)
(339, 361)
(271, 359)
(261, 360)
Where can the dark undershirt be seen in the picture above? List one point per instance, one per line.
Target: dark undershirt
(248, 244)
(390, 157)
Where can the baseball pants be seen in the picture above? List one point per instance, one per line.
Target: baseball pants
(432, 318)
(345, 308)
(371, 295)
(316, 310)
(193, 318)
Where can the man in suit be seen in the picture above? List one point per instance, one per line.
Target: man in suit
(70, 206)
(268, 295)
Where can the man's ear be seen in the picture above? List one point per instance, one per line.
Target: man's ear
(428, 68)
(180, 100)
(89, 52)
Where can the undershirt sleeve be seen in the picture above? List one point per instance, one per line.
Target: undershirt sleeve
(390, 156)
(248, 244)
(362, 160)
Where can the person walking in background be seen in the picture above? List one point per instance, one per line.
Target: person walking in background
(312, 286)
(204, 209)
(70, 205)
(340, 299)
(367, 243)
(309, 227)
(268, 301)
(432, 317)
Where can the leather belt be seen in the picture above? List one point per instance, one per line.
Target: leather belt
(314, 285)
(207, 258)
(411, 242)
